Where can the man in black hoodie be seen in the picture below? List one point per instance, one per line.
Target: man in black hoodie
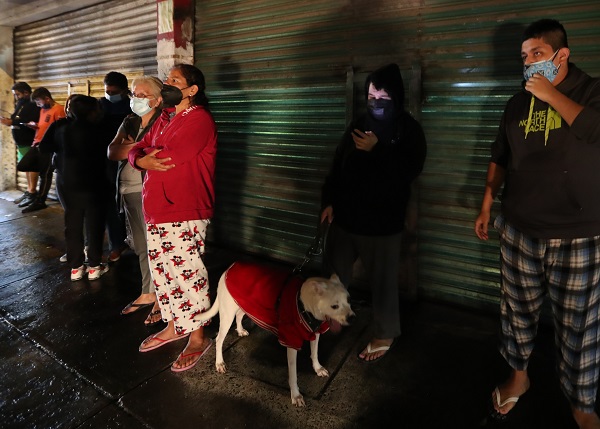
(547, 155)
(365, 197)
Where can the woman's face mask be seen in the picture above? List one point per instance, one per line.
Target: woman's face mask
(171, 95)
(545, 67)
(140, 106)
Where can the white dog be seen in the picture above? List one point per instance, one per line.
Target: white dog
(291, 309)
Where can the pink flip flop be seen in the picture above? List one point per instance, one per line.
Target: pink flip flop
(194, 362)
(160, 344)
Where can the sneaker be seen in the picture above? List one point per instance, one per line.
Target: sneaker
(25, 195)
(77, 273)
(26, 201)
(63, 258)
(115, 255)
(34, 206)
(94, 273)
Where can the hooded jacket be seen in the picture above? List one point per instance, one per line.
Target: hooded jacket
(552, 182)
(369, 191)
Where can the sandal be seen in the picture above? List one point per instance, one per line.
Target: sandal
(152, 320)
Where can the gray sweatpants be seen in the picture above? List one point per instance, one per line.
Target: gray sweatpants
(380, 256)
(135, 219)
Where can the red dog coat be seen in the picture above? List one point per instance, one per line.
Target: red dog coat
(271, 298)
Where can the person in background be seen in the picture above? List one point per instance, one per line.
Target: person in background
(80, 159)
(178, 155)
(546, 154)
(50, 112)
(115, 106)
(145, 103)
(365, 197)
(25, 111)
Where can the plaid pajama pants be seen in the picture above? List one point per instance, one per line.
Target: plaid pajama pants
(175, 253)
(568, 270)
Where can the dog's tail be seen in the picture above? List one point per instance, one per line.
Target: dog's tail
(210, 313)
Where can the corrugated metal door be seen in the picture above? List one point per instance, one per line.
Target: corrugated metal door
(471, 66)
(71, 53)
(280, 72)
(281, 77)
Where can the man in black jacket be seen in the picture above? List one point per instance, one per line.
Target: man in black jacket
(547, 154)
(25, 111)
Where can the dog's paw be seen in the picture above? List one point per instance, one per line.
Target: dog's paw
(221, 368)
(298, 400)
(322, 372)
(242, 333)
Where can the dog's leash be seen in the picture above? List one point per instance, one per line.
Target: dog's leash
(315, 249)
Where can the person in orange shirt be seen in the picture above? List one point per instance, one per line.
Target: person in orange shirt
(50, 112)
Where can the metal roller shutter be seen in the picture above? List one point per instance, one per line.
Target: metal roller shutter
(71, 53)
(279, 74)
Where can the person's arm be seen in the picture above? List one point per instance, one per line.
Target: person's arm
(119, 148)
(495, 179)
(543, 89)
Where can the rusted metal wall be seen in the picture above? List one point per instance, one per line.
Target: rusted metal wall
(71, 53)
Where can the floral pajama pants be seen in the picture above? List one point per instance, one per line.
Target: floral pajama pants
(175, 253)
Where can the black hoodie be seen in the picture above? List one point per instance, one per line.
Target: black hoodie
(369, 191)
(552, 184)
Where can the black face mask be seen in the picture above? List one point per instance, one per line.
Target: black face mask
(380, 108)
(171, 95)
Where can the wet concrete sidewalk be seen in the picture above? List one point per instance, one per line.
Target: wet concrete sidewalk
(68, 359)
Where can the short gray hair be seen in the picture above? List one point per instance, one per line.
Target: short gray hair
(153, 83)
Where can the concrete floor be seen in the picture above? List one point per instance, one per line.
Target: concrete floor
(69, 360)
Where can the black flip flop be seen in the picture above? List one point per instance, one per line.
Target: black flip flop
(137, 307)
(153, 313)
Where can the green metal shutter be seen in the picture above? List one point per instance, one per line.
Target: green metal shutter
(279, 73)
(471, 67)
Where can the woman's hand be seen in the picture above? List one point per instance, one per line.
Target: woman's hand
(151, 162)
(364, 141)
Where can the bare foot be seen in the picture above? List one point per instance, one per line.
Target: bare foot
(154, 316)
(161, 338)
(371, 352)
(141, 301)
(586, 420)
(192, 353)
(516, 385)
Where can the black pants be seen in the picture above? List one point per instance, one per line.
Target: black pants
(83, 209)
(46, 171)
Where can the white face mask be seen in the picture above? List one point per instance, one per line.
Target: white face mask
(140, 106)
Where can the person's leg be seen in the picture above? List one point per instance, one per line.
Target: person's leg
(381, 258)
(74, 209)
(523, 287)
(32, 181)
(95, 217)
(574, 290)
(115, 226)
(135, 218)
(46, 174)
(340, 254)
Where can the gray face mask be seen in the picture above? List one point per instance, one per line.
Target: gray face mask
(380, 109)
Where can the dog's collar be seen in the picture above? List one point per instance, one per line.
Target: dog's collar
(309, 320)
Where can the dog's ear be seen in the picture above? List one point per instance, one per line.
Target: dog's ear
(318, 287)
(334, 278)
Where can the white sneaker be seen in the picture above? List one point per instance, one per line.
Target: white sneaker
(63, 258)
(94, 273)
(77, 273)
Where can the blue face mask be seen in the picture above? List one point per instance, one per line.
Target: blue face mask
(545, 67)
(113, 98)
